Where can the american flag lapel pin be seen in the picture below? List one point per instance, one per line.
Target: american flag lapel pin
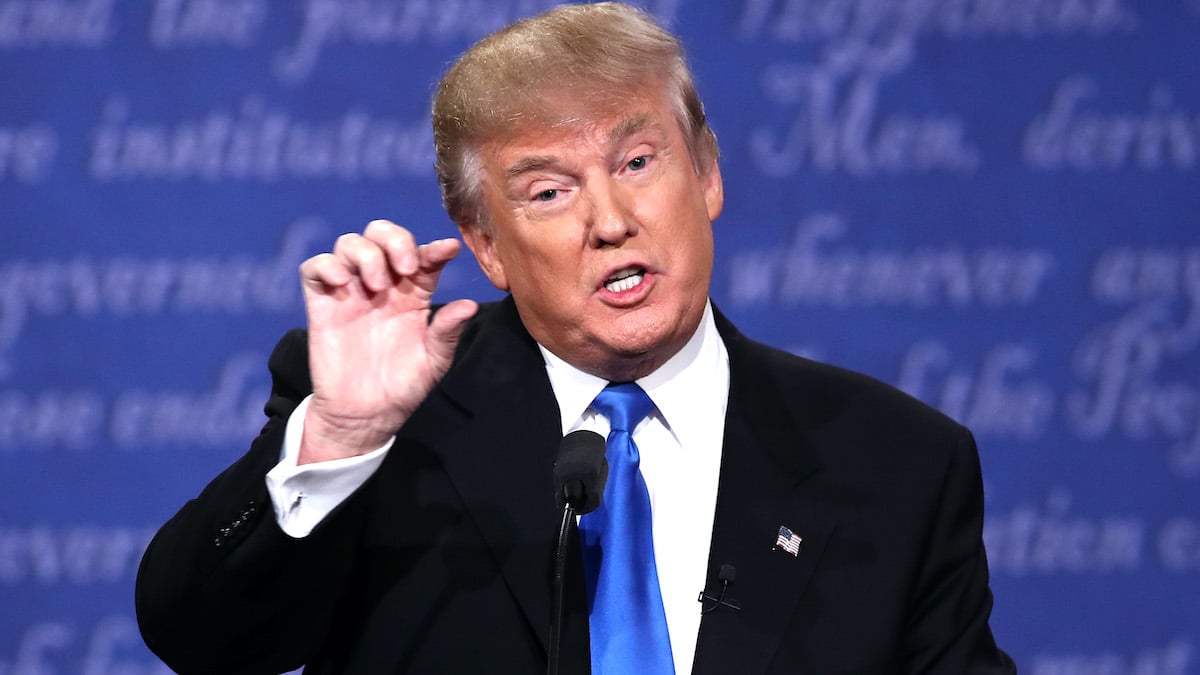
(788, 541)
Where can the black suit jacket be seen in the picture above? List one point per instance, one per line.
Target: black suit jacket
(441, 562)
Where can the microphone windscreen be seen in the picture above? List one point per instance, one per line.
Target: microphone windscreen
(727, 573)
(580, 471)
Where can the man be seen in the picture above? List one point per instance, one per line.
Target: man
(395, 514)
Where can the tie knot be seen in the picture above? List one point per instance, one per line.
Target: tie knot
(624, 405)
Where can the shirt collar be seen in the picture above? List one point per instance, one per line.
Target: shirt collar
(693, 382)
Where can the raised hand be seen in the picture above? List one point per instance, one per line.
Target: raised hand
(373, 351)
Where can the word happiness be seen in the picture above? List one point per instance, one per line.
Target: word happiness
(841, 120)
(878, 23)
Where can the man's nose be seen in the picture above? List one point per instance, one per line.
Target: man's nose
(611, 216)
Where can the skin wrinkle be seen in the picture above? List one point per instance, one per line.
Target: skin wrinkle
(556, 164)
(557, 109)
(602, 215)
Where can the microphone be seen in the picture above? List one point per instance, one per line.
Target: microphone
(725, 575)
(580, 472)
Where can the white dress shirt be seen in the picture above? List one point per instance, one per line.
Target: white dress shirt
(680, 447)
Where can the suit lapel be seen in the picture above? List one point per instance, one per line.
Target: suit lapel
(500, 456)
(498, 448)
(764, 463)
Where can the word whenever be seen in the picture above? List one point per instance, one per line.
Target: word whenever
(112, 647)
(809, 273)
(1069, 136)
(128, 287)
(137, 419)
(257, 143)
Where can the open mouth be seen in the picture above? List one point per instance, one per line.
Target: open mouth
(625, 279)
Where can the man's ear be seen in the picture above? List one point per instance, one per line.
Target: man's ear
(483, 246)
(714, 191)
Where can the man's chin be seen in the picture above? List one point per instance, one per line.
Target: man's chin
(624, 357)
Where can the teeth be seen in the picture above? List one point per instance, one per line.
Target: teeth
(625, 280)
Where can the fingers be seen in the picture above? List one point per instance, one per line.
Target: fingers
(437, 253)
(365, 259)
(379, 257)
(445, 330)
(396, 243)
(324, 270)
(434, 256)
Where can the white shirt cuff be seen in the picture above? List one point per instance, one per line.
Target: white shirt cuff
(304, 495)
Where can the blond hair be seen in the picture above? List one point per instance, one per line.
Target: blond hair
(561, 67)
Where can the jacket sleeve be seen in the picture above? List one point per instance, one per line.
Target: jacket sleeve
(221, 589)
(948, 630)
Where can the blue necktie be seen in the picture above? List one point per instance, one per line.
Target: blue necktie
(628, 623)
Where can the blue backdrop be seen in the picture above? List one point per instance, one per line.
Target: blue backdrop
(990, 203)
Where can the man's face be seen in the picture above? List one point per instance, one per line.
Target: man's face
(602, 232)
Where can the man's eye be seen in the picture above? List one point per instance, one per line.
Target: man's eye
(546, 195)
(638, 163)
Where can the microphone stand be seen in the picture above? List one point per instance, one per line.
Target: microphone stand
(559, 582)
(579, 474)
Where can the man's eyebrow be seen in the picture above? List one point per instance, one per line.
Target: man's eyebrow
(624, 129)
(630, 126)
(530, 163)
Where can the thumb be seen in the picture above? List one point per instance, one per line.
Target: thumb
(444, 331)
